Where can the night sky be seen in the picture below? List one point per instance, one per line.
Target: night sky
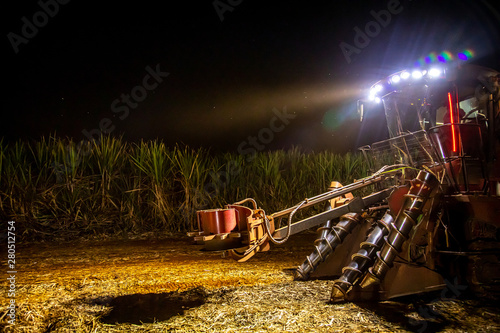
(215, 73)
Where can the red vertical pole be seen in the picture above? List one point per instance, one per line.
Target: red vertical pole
(452, 121)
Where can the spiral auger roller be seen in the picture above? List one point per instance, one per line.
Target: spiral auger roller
(325, 245)
(415, 200)
(361, 259)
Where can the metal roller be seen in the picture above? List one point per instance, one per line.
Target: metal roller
(407, 218)
(361, 259)
(323, 247)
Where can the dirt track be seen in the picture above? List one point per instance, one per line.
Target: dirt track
(158, 285)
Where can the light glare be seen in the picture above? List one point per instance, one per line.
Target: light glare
(405, 75)
(416, 74)
(395, 79)
(434, 72)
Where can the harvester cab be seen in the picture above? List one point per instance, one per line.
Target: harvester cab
(455, 110)
(433, 212)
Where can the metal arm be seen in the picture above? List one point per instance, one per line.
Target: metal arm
(244, 231)
(382, 174)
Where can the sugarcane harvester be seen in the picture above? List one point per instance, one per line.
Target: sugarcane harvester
(433, 218)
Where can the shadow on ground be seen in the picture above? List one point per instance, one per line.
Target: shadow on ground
(149, 308)
(431, 312)
(427, 319)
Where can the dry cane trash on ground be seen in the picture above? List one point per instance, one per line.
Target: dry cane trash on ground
(159, 285)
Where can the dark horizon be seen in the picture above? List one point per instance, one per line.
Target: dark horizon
(286, 74)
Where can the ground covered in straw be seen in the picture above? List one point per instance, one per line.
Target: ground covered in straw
(170, 285)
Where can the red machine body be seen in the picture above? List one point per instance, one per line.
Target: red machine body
(435, 214)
